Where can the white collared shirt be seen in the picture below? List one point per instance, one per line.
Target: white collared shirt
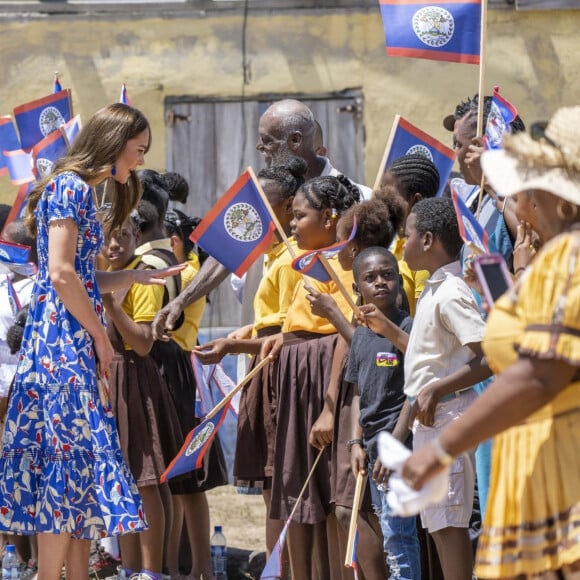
(446, 320)
(365, 192)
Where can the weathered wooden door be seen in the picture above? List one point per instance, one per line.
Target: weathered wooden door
(210, 142)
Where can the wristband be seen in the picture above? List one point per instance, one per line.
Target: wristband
(442, 456)
(352, 442)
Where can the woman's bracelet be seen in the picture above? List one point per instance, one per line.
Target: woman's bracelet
(442, 456)
(352, 442)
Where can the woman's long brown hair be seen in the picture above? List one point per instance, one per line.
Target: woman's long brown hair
(93, 154)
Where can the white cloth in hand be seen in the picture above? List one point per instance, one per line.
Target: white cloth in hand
(403, 499)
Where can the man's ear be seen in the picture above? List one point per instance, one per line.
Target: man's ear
(294, 140)
(355, 289)
(428, 240)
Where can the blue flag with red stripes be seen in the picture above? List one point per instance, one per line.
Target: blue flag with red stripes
(19, 164)
(448, 30)
(17, 212)
(273, 569)
(310, 264)
(408, 139)
(238, 228)
(124, 97)
(13, 253)
(46, 152)
(196, 444)
(471, 231)
(56, 86)
(38, 119)
(501, 114)
(9, 141)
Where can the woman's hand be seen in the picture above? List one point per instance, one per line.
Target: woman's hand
(213, 351)
(153, 276)
(104, 353)
(421, 466)
(322, 431)
(271, 346)
(525, 247)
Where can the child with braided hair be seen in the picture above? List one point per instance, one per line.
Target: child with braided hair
(412, 177)
(302, 380)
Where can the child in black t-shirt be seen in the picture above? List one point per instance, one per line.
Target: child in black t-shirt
(376, 367)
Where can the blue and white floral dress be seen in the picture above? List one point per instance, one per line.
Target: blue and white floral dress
(61, 468)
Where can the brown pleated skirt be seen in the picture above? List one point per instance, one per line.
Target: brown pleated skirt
(302, 378)
(146, 418)
(254, 460)
(175, 365)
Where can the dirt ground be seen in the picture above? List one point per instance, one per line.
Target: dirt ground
(242, 517)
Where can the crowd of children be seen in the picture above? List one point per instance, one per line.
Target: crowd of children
(393, 342)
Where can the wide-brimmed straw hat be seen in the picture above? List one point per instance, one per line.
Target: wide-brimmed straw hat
(549, 160)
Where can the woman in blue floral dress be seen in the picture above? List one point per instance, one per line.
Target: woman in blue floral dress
(62, 475)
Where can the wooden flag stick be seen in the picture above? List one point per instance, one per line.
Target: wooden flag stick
(481, 101)
(386, 153)
(330, 271)
(305, 486)
(323, 259)
(360, 479)
(238, 387)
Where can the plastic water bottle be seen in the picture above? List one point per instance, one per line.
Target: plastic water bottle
(219, 554)
(10, 566)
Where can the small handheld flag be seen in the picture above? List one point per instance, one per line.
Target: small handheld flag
(238, 228)
(471, 231)
(56, 86)
(407, 139)
(501, 114)
(46, 152)
(17, 212)
(310, 263)
(198, 440)
(124, 97)
(273, 569)
(13, 253)
(448, 30)
(38, 119)
(8, 141)
(19, 164)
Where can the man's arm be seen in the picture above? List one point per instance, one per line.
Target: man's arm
(210, 276)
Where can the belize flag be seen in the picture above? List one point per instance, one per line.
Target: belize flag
(38, 119)
(13, 253)
(310, 263)
(46, 152)
(471, 231)
(71, 129)
(8, 141)
(56, 86)
(273, 569)
(448, 30)
(17, 212)
(238, 228)
(501, 114)
(124, 97)
(409, 139)
(196, 444)
(19, 164)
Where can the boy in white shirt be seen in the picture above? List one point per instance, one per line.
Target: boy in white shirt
(443, 360)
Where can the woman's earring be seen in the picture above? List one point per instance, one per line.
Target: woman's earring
(113, 171)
